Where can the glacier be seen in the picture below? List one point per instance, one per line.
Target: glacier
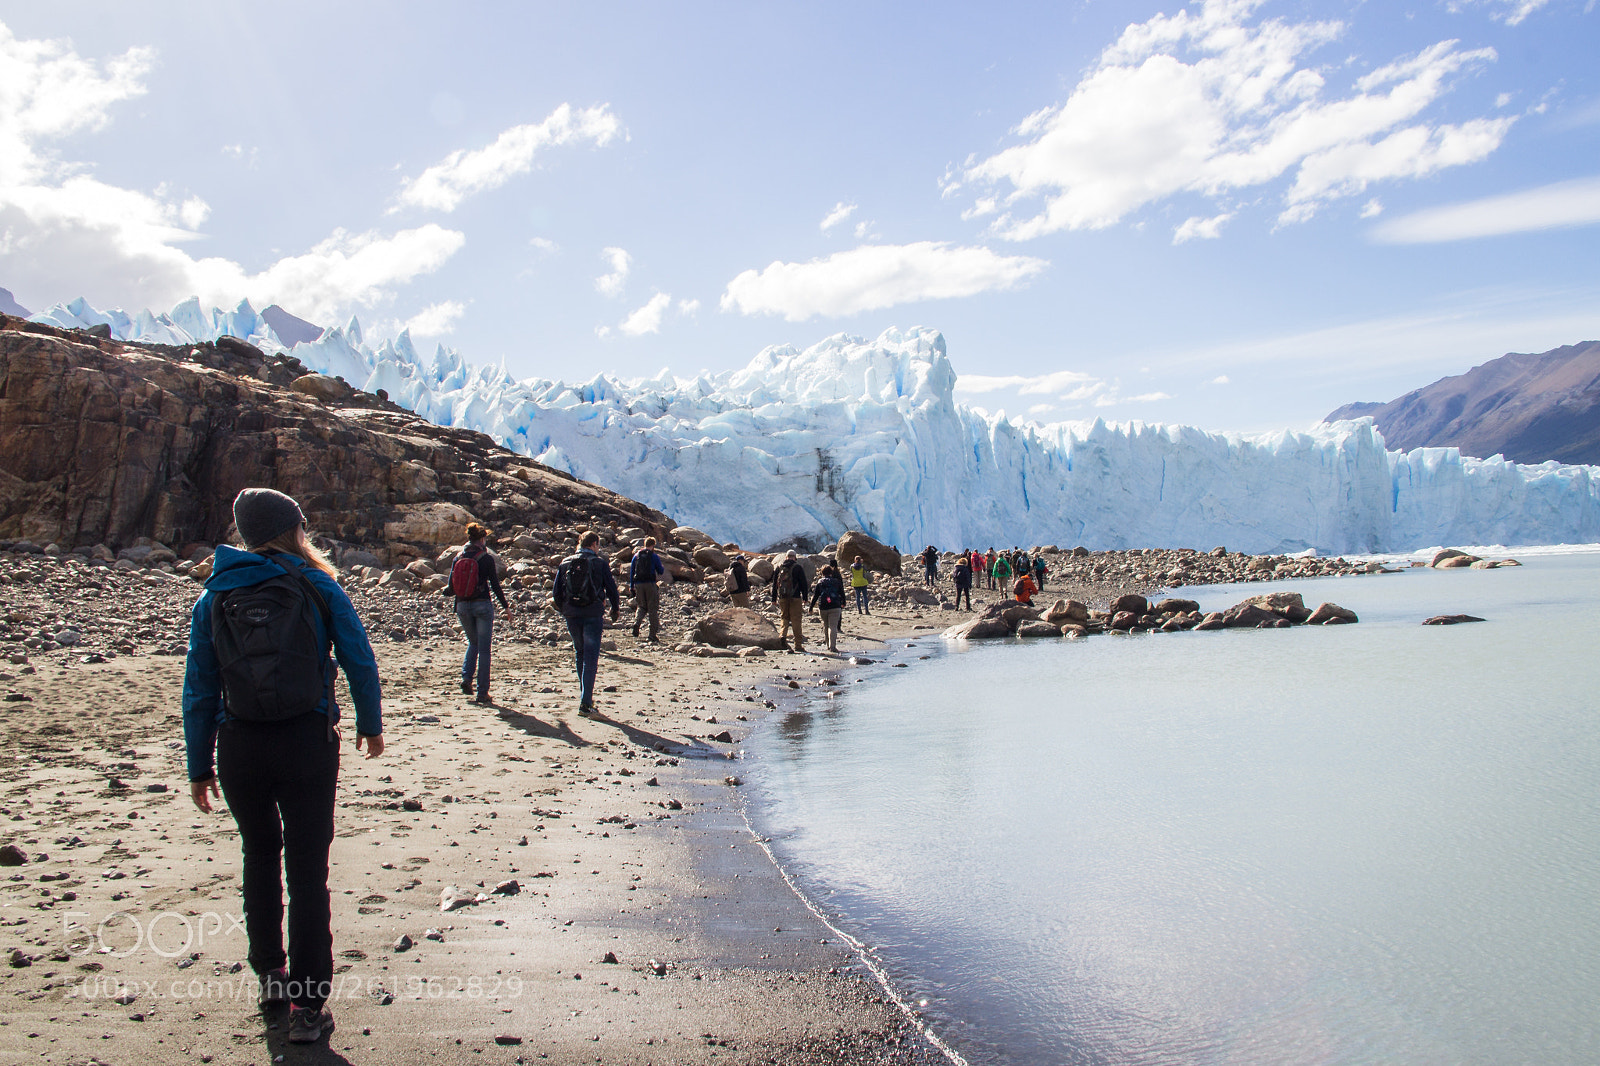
(850, 433)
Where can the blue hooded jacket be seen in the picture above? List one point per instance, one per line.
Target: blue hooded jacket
(202, 680)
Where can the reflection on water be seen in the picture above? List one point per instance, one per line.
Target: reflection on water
(1364, 844)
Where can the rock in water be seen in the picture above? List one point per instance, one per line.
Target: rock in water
(1331, 614)
(1450, 619)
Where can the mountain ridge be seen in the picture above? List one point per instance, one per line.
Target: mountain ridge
(1530, 408)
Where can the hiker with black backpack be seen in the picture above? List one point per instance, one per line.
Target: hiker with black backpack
(474, 574)
(259, 717)
(644, 570)
(583, 584)
(789, 590)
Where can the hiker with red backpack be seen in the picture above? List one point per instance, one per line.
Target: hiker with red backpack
(473, 576)
(259, 717)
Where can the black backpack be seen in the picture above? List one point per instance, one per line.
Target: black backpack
(273, 666)
(581, 587)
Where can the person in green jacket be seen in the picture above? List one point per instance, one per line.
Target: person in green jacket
(1001, 573)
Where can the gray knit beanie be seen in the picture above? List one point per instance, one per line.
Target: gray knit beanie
(261, 514)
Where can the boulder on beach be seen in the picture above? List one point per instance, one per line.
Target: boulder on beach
(1064, 612)
(1130, 601)
(879, 557)
(1038, 629)
(712, 558)
(736, 627)
(691, 537)
(1331, 614)
(978, 629)
(1214, 620)
(1174, 606)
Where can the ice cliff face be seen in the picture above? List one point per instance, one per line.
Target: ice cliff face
(853, 434)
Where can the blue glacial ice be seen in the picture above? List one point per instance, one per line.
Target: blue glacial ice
(799, 446)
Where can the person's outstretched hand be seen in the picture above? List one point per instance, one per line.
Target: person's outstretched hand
(202, 791)
(374, 745)
(615, 614)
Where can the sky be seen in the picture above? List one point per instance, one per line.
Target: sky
(1235, 214)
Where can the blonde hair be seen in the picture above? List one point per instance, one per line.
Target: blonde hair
(295, 542)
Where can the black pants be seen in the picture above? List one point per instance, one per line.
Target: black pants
(279, 779)
(964, 590)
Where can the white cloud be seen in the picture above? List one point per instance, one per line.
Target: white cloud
(1209, 102)
(545, 245)
(461, 174)
(435, 320)
(1511, 12)
(840, 212)
(1562, 205)
(1147, 397)
(611, 283)
(1372, 208)
(862, 229)
(873, 277)
(1220, 379)
(1197, 228)
(688, 307)
(1066, 384)
(66, 232)
(647, 319)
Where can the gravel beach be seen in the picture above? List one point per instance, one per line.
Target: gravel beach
(607, 901)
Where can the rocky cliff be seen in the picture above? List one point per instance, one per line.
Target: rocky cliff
(105, 442)
(1529, 408)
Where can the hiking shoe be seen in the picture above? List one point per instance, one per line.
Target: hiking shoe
(274, 989)
(309, 1026)
(586, 708)
(483, 701)
(466, 688)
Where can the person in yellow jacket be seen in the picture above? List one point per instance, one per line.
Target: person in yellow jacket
(861, 582)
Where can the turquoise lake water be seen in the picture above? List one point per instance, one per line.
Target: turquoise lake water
(1376, 843)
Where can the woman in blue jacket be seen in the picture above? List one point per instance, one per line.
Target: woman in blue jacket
(279, 776)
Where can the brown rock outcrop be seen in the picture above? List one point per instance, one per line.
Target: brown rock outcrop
(105, 442)
(879, 557)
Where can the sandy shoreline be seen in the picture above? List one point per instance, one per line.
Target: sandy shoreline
(129, 925)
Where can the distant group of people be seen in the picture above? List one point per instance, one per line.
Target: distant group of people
(1018, 574)
(260, 718)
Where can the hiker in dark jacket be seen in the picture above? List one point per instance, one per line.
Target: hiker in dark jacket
(739, 582)
(963, 579)
(789, 589)
(585, 620)
(280, 776)
(644, 570)
(476, 612)
(828, 592)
